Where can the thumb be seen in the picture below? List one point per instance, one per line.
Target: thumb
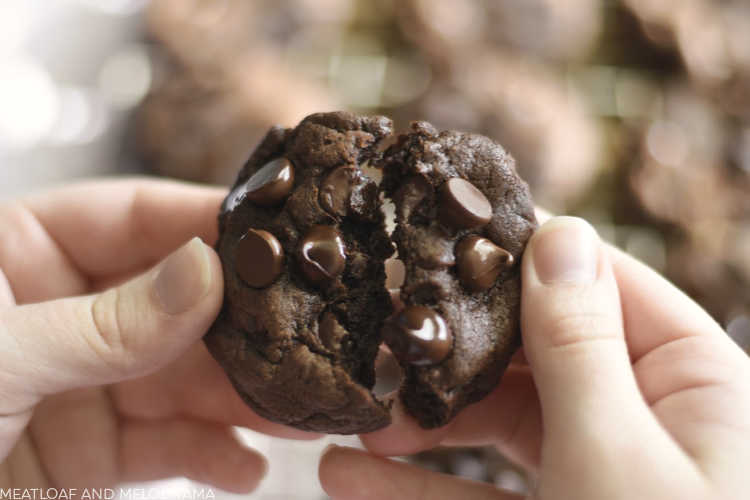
(573, 333)
(124, 332)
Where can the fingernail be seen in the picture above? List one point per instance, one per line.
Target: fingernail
(566, 250)
(184, 278)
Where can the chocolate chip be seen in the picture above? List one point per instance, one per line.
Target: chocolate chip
(271, 184)
(480, 262)
(322, 254)
(418, 335)
(462, 205)
(234, 198)
(258, 258)
(335, 191)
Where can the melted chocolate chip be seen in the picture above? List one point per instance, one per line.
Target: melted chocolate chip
(335, 191)
(233, 199)
(271, 184)
(462, 205)
(411, 193)
(418, 335)
(480, 262)
(395, 273)
(259, 258)
(322, 254)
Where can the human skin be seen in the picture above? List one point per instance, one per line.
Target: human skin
(625, 389)
(104, 378)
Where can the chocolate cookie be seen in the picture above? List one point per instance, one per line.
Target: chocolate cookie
(463, 218)
(302, 243)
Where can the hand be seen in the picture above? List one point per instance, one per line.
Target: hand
(636, 394)
(102, 385)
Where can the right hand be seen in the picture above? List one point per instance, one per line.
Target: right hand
(631, 391)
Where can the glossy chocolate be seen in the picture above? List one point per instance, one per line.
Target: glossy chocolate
(322, 254)
(335, 191)
(259, 258)
(418, 335)
(480, 262)
(271, 184)
(233, 199)
(462, 205)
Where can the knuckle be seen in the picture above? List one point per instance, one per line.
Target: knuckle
(108, 337)
(582, 328)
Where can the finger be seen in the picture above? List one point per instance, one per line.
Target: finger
(74, 232)
(76, 423)
(404, 435)
(111, 448)
(200, 451)
(593, 414)
(348, 473)
(122, 333)
(655, 312)
(509, 418)
(194, 386)
(699, 389)
(572, 330)
(693, 363)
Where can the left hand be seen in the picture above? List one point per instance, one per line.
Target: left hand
(103, 385)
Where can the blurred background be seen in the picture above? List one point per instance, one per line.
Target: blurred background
(632, 113)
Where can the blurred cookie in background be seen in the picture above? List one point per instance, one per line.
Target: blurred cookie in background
(713, 40)
(202, 130)
(221, 83)
(542, 122)
(545, 29)
(685, 178)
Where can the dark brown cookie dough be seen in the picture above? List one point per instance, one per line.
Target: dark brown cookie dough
(463, 218)
(302, 242)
